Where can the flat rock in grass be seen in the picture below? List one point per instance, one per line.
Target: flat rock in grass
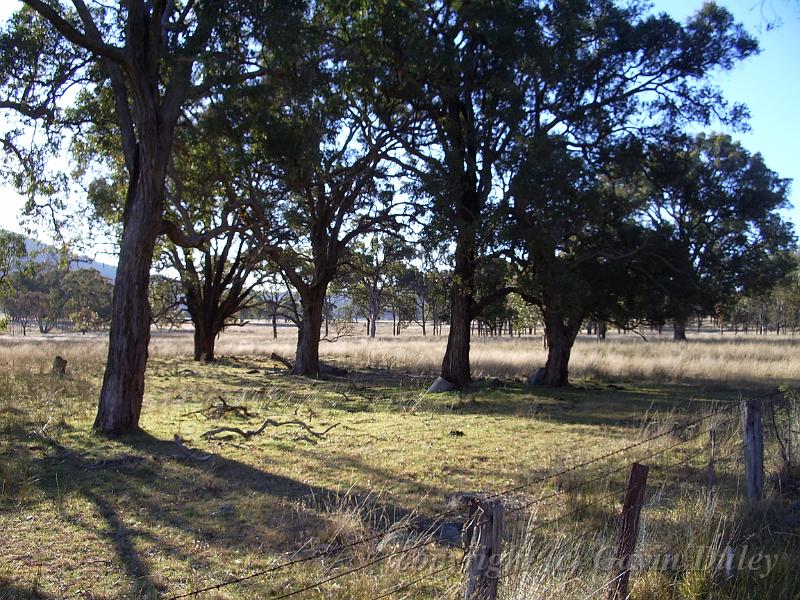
(447, 533)
(397, 539)
(450, 534)
(441, 385)
(535, 379)
(462, 500)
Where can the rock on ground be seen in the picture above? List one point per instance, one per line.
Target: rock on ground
(441, 385)
(536, 378)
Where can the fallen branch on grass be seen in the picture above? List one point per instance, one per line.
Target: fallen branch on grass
(268, 422)
(221, 409)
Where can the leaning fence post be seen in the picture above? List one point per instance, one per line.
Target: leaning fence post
(710, 476)
(628, 531)
(483, 539)
(753, 446)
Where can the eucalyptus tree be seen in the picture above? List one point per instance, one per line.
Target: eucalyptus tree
(87, 299)
(221, 275)
(154, 59)
(375, 265)
(715, 210)
(314, 175)
(453, 87)
(576, 246)
(602, 72)
(39, 292)
(218, 279)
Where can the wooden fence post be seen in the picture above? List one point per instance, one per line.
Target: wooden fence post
(753, 446)
(483, 537)
(628, 531)
(793, 433)
(710, 476)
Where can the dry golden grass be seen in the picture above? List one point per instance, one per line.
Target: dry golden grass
(708, 357)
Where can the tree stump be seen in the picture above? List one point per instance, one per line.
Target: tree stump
(59, 367)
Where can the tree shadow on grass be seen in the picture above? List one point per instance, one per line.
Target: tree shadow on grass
(586, 404)
(11, 591)
(155, 494)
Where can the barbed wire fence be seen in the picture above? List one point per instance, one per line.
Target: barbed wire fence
(528, 569)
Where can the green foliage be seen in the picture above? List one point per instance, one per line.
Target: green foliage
(165, 296)
(39, 296)
(714, 208)
(88, 298)
(12, 251)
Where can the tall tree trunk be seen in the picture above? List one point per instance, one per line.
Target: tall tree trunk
(308, 335)
(275, 325)
(123, 382)
(679, 329)
(560, 335)
(455, 365)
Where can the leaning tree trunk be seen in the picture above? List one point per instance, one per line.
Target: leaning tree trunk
(123, 382)
(455, 365)
(308, 335)
(560, 335)
(679, 329)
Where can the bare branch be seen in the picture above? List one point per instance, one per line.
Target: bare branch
(90, 40)
(268, 422)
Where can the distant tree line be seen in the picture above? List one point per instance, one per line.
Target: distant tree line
(45, 294)
(493, 165)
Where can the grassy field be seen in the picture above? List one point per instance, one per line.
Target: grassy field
(169, 511)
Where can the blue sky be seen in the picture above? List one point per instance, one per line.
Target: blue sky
(768, 83)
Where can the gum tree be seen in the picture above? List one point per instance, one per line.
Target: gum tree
(602, 72)
(714, 209)
(450, 74)
(314, 176)
(155, 59)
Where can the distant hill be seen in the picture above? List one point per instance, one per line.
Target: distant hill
(45, 253)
